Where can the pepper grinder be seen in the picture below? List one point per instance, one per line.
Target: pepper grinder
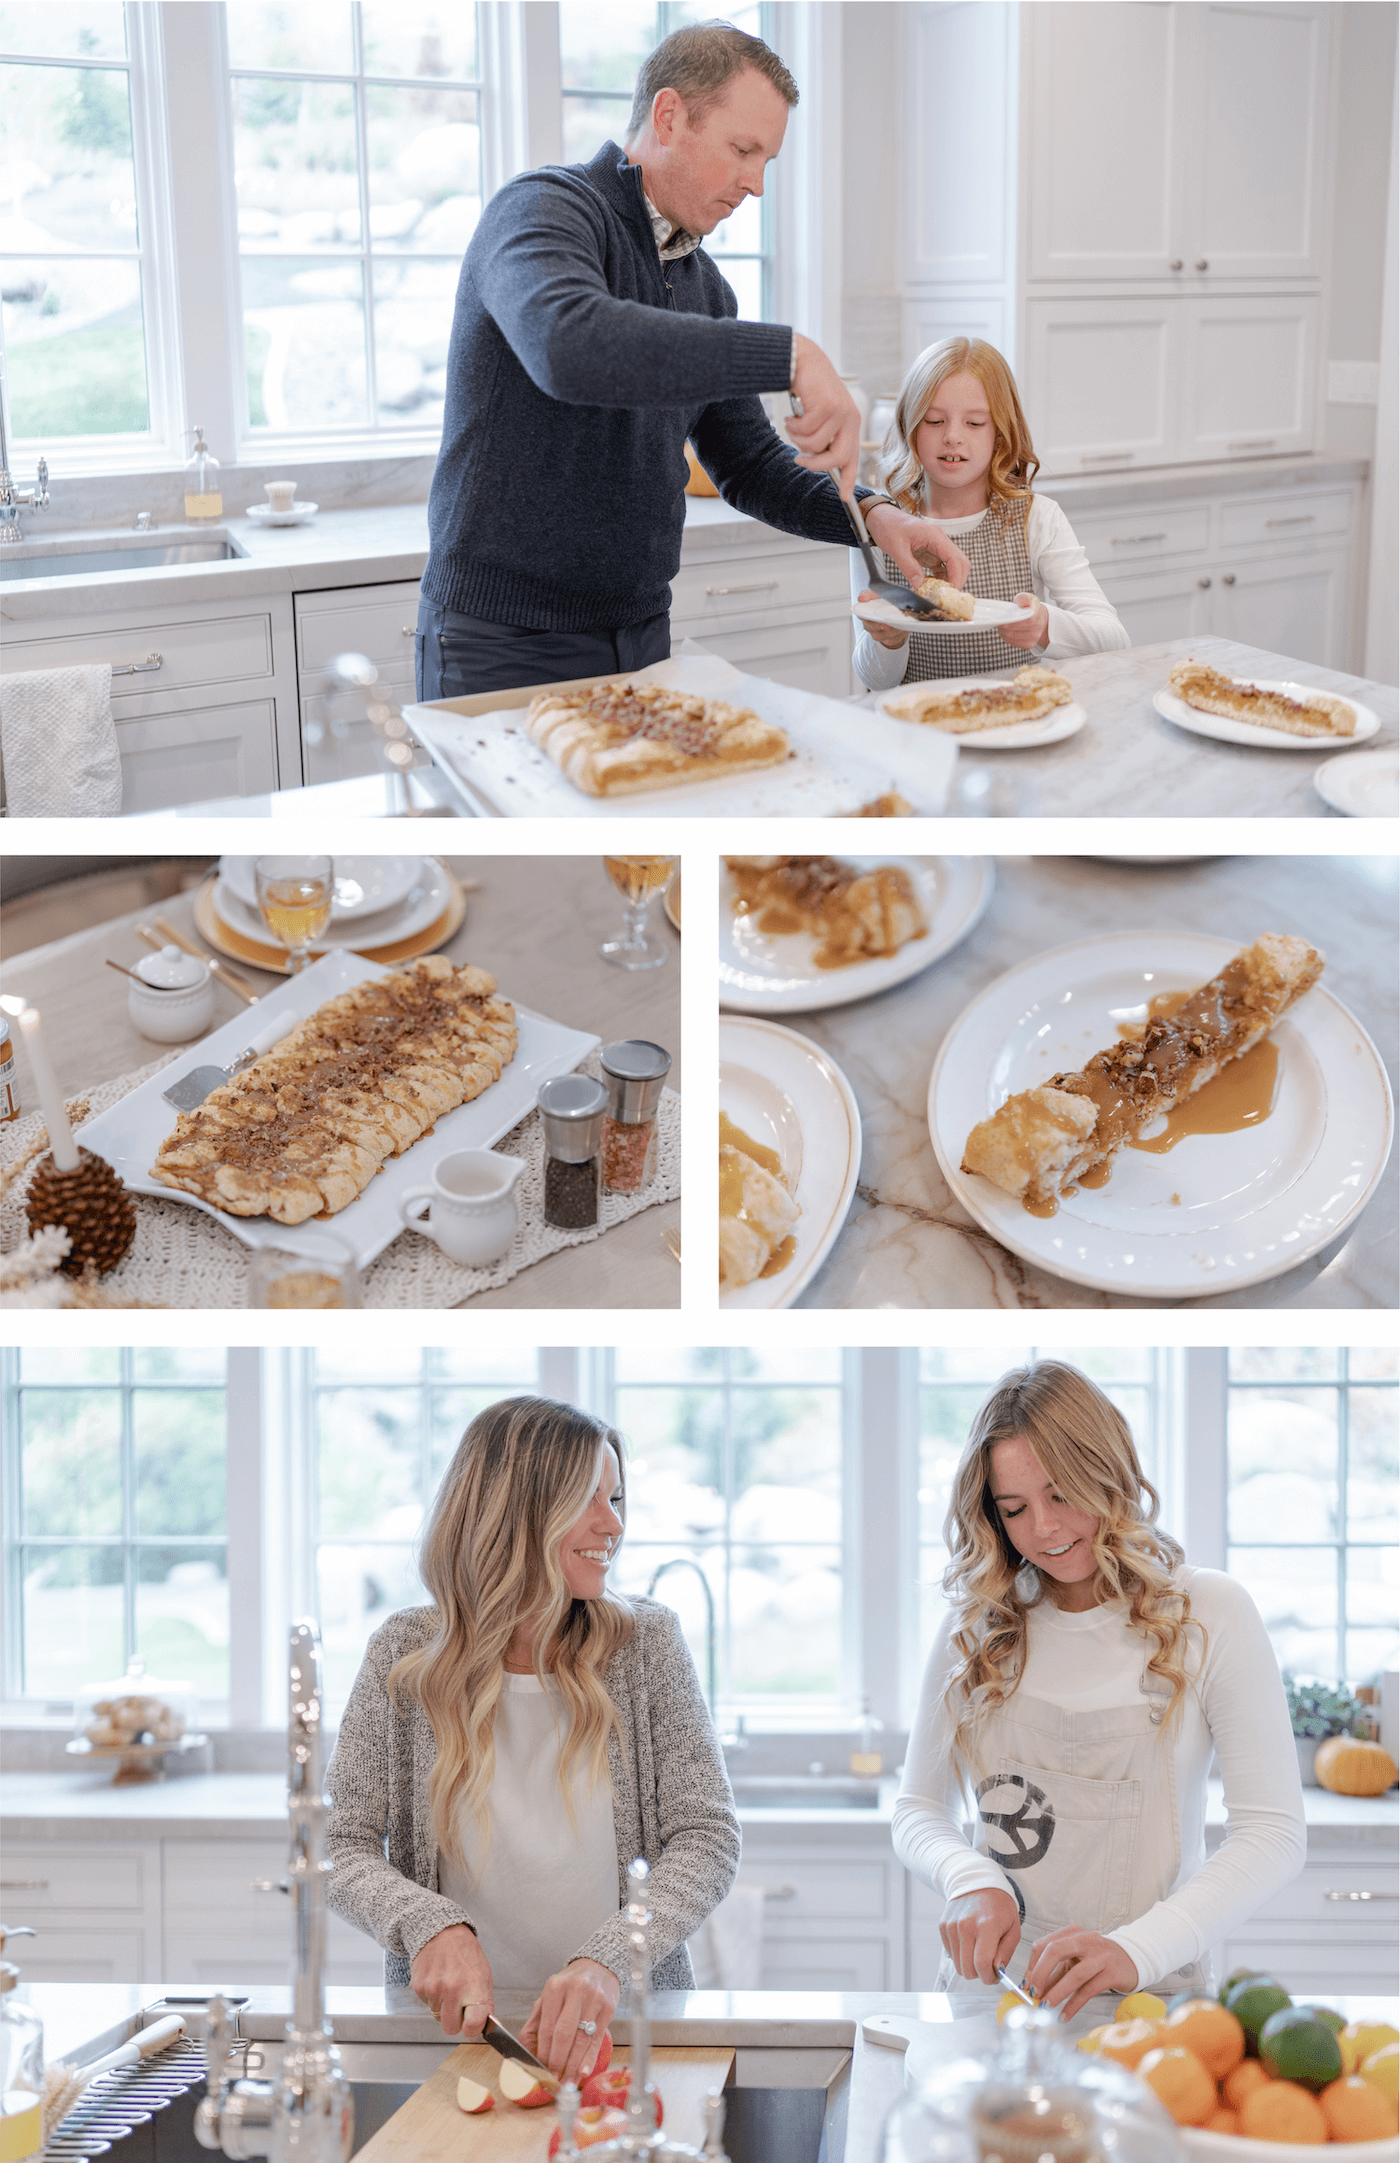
(573, 1107)
(636, 1074)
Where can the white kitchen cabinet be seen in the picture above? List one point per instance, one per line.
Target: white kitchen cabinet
(833, 1915)
(773, 604)
(378, 621)
(1107, 374)
(1256, 189)
(217, 1928)
(815, 656)
(960, 110)
(1160, 605)
(1318, 1935)
(1248, 377)
(94, 1908)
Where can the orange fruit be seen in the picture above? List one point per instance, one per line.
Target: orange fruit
(1283, 2111)
(1129, 2040)
(1182, 2082)
(1091, 2041)
(1242, 2082)
(1207, 2028)
(1222, 2120)
(1355, 2110)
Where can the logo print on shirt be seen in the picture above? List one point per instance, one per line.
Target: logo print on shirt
(1030, 1826)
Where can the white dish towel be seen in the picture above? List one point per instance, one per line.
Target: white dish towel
(727, 1949)
(59, 744)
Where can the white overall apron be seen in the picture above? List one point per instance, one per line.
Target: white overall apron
(1080, 1810)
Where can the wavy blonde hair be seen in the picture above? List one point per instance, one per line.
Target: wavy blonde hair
(490, 1557)
(1014, 463)
(1085, 1447)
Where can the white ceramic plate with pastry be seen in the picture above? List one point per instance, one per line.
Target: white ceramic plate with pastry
(1364, 788)
(1050, 728)
(787, 1094)
(1227, 730)
(423, 902)
(765, 972)
(364, 885)
(129, 1134)
(1213, 1214)
(986, 615)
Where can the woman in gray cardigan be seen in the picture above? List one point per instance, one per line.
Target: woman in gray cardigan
(506, 1752)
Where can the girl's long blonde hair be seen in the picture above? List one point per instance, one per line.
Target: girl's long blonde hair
(1014, 463)
(1085, 1447)
(522, 1475)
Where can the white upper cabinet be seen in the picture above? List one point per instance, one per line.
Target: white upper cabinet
(1105, 376)
(959, 117)
(1249, 376)
(1181, 142)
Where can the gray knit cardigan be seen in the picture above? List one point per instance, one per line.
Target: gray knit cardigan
(671, 1802)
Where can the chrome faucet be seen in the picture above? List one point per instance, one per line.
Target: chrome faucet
(307, 2114)
(14, 500)
(687, 1562)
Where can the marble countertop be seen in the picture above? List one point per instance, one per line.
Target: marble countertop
(535, 922)
(1127, 760)
(907, 1243)
(1223, 477)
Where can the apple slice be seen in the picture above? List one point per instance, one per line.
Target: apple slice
(473, 2098)
(610, 2087)
(519, 2085)
(591, 2125)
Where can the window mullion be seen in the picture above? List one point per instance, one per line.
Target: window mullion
(128, 1450)
(366, 251)
(205, 307)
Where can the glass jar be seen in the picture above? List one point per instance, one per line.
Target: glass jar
(573, 1108)
(21, 2066)
(635, 1071)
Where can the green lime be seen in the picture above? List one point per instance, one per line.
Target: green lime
(1235, 1977)
(1295, 2046)
(1335, 2021)
(1251, 2001)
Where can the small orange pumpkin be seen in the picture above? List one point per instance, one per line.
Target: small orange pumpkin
(1350, 1767)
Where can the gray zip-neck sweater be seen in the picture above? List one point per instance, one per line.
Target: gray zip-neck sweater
(671, 1802)
(579, 364)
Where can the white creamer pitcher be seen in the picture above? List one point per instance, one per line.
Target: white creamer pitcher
(471, 1211)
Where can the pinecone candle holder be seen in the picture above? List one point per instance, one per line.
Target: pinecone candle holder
(90, 1203)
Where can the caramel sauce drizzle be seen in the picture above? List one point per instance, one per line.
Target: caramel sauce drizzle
(731, 1186)
(810, 893)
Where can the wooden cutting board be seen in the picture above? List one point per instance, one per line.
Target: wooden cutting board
(430, 2128)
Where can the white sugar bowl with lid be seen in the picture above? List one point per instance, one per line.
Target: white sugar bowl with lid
(174, 1000)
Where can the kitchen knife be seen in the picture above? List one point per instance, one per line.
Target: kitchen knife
(189, 1092)
(1004, 1975)
(510, 2046)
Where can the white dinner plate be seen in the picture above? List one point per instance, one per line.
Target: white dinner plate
(986, 615)
(129, 1135)
(785, 1091)
(364, 885)
(1229, 731)
(764, 972)
(1218, 1212)
(1365, 788)
(262, 514)
(1051, 728)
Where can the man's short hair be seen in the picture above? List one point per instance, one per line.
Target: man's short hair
(698, 61)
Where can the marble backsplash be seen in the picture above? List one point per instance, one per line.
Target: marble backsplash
(110, 500)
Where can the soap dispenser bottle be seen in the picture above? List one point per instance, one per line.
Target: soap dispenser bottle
(21, 2066)
(203, 492)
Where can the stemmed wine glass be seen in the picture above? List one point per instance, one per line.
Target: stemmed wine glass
(295, 896)
(639, 879)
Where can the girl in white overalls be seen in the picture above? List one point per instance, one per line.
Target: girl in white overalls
(1083, 1677)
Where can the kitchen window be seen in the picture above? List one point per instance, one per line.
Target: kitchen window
(116, 1516)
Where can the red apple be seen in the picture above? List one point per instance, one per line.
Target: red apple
(604, 2057)
(609, 2087)
(473, 2098)
(591, 2126)
(519, 2085)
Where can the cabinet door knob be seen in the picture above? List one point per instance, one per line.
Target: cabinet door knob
(1201, 263)
(1227, 578)
(1203, 582)
(1175, 263)
(406, 630)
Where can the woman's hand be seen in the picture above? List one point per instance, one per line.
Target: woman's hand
(907, 539)
(584, 1990)
(980, 1931)
(452, 1976)
(1071, 1966)
(884, 634)
(1035, 631)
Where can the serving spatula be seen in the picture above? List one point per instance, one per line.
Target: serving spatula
(903, 598)
(189, 1092)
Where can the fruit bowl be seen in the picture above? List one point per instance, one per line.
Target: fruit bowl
(1238, 2148)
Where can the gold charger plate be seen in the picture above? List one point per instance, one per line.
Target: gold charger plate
(225, 940)
(672, 902)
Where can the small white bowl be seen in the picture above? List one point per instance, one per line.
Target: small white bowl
(174, 1000)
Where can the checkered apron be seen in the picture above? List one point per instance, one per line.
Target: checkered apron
(1000, 570)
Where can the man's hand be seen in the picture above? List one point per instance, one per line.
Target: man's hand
(584, 1990)
(1071, 1966)
(884, 634)
(827, 432)
(906, 539)
(980, 1931)
(452, 1976)
(1035, 631)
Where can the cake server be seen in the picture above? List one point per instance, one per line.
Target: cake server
(903, 598)
(189, 1092)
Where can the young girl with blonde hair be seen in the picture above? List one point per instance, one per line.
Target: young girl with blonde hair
(960, 451)
(1084, 1673)
(521, 1740)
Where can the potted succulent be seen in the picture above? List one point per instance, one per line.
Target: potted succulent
(1317, 1710)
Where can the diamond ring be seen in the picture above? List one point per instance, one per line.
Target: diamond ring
(588, 2027)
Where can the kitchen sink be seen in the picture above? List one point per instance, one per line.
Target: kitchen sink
(818, 1791)
(42, 560)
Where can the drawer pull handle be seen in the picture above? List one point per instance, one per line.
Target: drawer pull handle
(1361, 1896)
(1135, 540)
(24, 1885)
(1253, 443)
(1203, 583)
(148, 667)
(407, 630)
(268, 1885)
(1300, 518)
(780, 1892)
(759, 585)
(1104, 458)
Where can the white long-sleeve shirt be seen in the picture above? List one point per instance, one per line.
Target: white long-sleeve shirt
(1082, 618)
(1235, 1706)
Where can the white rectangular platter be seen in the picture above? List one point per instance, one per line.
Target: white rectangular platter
(843, 757)
(129, 1135)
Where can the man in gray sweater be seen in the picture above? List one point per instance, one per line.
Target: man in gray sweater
(592, 336)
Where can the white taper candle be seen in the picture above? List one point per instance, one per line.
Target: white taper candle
(61, 1142)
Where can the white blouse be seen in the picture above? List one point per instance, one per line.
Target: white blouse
(540, 1887)
(1082, 618)
(1235, 1706)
